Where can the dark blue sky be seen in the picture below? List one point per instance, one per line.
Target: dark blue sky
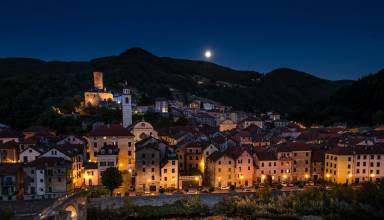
(339, 39)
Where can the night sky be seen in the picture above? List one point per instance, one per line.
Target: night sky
(342, 40)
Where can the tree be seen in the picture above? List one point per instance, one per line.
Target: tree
(112, 178)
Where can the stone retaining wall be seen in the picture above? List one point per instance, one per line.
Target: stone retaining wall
(117, 202)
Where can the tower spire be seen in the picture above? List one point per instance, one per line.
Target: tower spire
(126, 106)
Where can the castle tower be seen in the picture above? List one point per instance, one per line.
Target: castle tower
(98, 80)
(127, 107)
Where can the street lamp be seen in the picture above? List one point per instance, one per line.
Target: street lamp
(328, 176)
(262, 178)
(372, 175)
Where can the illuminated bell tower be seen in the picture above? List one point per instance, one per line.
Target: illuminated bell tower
(127, 107)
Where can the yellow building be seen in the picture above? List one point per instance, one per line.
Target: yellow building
(354, 164)
(170, 173)
(98, 93)
(338, 166)
(116, 135)
(91, 174)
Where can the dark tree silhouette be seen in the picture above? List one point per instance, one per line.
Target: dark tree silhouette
(112, 179)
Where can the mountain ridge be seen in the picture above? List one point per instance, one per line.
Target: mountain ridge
(283, 89)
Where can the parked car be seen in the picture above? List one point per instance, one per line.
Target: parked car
(224, 188)
(247, 189)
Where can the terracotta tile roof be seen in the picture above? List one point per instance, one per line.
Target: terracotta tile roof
(38, 129)
(111, 130)
(43, 162)
(71, 150)
(10, 168)
(195, 144)
(216, 156)
(9, 133)
(219, 140)
(150, 142)
(232, 152)
(317, 156)
(9, 145)
(251, 118)
(375, 149)
(265, 155)
(293, 146)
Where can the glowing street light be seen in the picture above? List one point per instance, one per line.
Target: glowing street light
(328, 175)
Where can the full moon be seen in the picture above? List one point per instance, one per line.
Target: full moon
(208, 54)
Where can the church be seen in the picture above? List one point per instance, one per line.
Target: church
(98, 93)
(122, 137)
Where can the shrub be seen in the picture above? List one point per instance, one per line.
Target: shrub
(211, 189)
(6, 214)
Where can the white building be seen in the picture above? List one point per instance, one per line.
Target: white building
(161, 105)
(127, 107)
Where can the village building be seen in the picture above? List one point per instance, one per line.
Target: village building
(9, 152)
(38, 131)
(31, 153)
(354, 164)
(148, 160)
(169, 171)
(227, 125)
(106, 157)
(47, 177)
(116, 135)
(193, 156)
(251, 121)
(71, 139)
(9, 135)
(221, 169)
(91, 174)
(142, 130)
(161, 105)
(267, 166)
(300, 155)
(11, 181)
(73, 153)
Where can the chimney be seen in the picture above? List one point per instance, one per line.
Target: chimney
(98, 80)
